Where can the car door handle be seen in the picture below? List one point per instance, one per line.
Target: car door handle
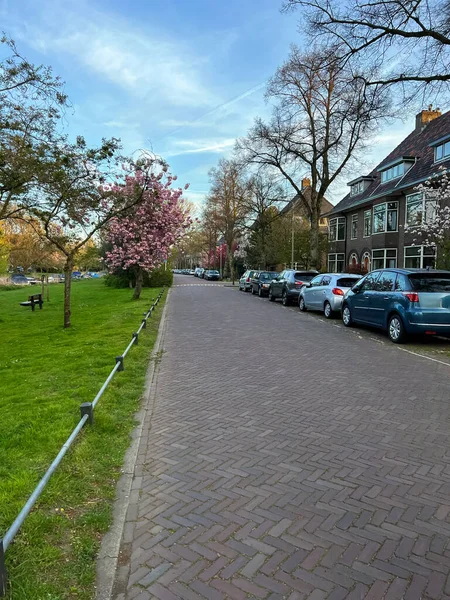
(385, 297)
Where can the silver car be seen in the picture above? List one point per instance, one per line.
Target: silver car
(245, 282)
(326, 292)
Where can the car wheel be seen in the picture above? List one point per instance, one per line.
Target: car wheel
(285, 299)
(271, 296)
(260, 293)
(347, 316)
(302, 305)
(396, 330)
(327, 310)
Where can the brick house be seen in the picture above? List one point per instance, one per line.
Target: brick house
(366, 229)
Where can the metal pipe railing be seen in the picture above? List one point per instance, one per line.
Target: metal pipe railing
(87, 414)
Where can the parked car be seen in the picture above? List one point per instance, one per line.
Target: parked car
(19, 280)
(287, 285)
(201, 273)
(260, 282)
(33, 281)
(326, 292)
(245, 280)
(211, 275)
(401, 301)
(191, 272)
(197, 271)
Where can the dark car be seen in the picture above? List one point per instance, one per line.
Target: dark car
(288, 284)
(19, 280)
(260, 282)
(211, 275)
(401, 301)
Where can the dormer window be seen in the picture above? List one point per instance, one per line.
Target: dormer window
(396, 169)
(442, 151)
(358, 186)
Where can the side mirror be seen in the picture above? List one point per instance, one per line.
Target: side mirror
(356, 288)
(308, 284)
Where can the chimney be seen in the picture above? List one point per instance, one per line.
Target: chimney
(425, 116)
(306, 182)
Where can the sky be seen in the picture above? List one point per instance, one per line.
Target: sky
(183, 78)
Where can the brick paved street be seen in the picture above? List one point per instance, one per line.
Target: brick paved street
(287, 457)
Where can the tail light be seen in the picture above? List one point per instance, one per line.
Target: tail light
(412, 296)
(248, 279)
(298, 282)
(337, 292)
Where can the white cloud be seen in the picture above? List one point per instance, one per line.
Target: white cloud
(199, 146)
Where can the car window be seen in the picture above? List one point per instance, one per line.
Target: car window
(370, 281)
(327, 280)
(267, 276)
(316, 281)
(347, 282)
(281, 275)
(401, 283)
(386, 281)
(424, 282)
(304, 276)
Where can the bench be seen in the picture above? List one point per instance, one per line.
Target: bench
(33, 300)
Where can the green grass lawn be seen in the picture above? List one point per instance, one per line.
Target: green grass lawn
(46, 372)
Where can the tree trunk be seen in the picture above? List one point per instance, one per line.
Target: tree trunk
(68, 267)
(231, 265)
(138, 287)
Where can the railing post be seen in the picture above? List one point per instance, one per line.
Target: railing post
(135, 336)
(86, 409)
(144, 323)
(119, 359)
(3, 575)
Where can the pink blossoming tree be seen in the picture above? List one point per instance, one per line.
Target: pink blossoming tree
(141, 239)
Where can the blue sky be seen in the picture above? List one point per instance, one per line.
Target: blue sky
(182, 77)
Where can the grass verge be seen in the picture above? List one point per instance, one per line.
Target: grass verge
(46, 372)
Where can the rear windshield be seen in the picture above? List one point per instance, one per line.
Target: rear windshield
(347, 281)
(430, 283)
(304, 276)
(267, 276)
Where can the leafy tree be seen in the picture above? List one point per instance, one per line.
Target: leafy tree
(142, 238)
(381, 31)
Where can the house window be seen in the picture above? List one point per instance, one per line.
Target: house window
(442, 151)
(420, 209)
(357, 188)
(367, 223)
(385, 217)
(385, 258)
(393, 172)
(336, 230)
(419, 257)
(336, 263)
(354, 231)
(366, 261)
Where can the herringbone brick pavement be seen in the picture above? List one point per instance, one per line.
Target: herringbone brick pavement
(287, 458)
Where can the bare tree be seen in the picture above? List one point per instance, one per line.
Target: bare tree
(409, 38)
(324, 116)
(229, 194)
(262, 202)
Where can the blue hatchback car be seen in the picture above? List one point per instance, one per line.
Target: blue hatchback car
(401, 301)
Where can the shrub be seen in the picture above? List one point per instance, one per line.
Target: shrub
(158, 278)
(123, 279)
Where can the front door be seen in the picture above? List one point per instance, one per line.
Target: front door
(277, 284)
(381, 297)
(310, 293)
(361, 302)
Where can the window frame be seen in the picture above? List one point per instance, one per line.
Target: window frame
(421, 255)
(336, 221)
(384, 258)
(444, 156)
(353, 221)
(367, 213)
(357, 188)
(335, 261)
(385, 219)
(423, 210)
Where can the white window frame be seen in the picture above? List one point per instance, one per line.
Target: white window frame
(391, 170)
(420, 256)
(337, 221)
(333, 259)
(384, 258)
(354, 220)
(386, 210)
(367, 213)
(423, 210)
(357, 188)
(444, 156)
